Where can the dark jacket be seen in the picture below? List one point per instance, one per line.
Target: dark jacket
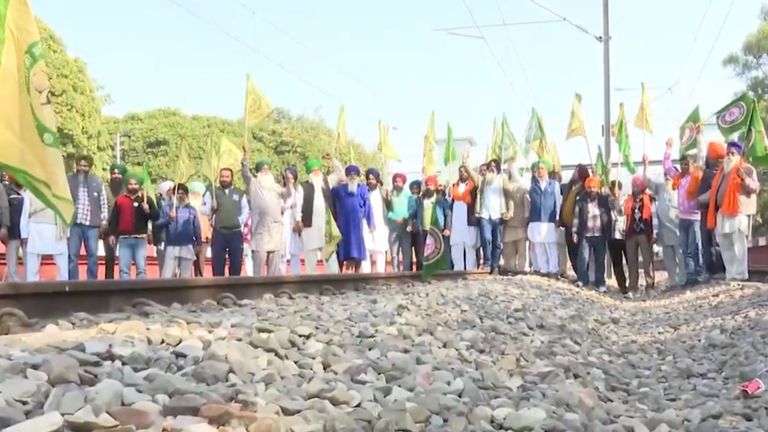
(307, 206)
(580, 215)
(128, 217)
(184, 230)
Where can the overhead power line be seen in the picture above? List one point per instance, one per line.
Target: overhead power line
(516, 53)
(566, 19)
(711, 49)
(490, 49)
(504, 24)
(253, 49)
(312, 51)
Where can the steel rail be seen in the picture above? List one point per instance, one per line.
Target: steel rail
(57, 299)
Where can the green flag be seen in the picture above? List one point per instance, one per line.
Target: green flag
(146, 182)
(504, 145)
(690, 132)
(435, 252)
(449, 154)
(332, 235)
(734, 117)
(622, 140)
(756, 147)
(601, 170)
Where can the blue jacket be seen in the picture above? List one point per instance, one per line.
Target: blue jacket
(544, 201)
(442, 208)
(184, 230)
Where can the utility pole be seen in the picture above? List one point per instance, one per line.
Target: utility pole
(117, 148)
(606, 83)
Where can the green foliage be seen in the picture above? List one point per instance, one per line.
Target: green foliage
(76, 102)
(750, 64)
(155, 136)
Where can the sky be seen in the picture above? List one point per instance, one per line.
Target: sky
(385, 61)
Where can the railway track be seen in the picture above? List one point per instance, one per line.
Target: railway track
(26, 303)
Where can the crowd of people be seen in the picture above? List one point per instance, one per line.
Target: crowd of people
(490, 219)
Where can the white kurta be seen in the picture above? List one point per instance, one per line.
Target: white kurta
(461, 232)
(42, 238)
(378, 240)
(292, 242)
(313, 237)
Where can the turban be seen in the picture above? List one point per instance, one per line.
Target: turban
(638, 182)
(197, 187)
(134, 176)
(399, 176)
(431, 180)
(373, 172)
(351, 170)
(736, 146)
(415, 184)
(261, 164)
(716, 150)
(592, 182)
(293, 171)
(582, 172)
(121, 168)
(496, 164)
(165, 187)
(312, 165)
(542, 162)
(84, 157)
(181, 187)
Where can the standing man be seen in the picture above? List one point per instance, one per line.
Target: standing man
(46, 234)
(91, 214)
(116, 188)
(353, 217)
(17, 201)
(641, 226)
(732, 205)
(266, 217)
(315, 207)
(542, 221)
(129, 225)
(590, 229)
(228, 209)
(196, 192)
(686, 183)
(416, 244)
(428, 207)
(570, 192)
(668, 233)
(182, 235)
(157, 236)
(710, 252)
(464, 236)
(376, 236)
(617, 247)
(399, 237)
(491, 208)
(515, 250)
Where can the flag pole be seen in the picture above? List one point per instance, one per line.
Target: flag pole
(589, 152)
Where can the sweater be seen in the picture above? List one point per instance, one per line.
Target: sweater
(184, 230)
(128, 217)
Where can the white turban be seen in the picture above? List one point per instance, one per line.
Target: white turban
(165, 187)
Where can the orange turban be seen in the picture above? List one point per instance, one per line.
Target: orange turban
(592, 182)
(716, 150)
(431, 180)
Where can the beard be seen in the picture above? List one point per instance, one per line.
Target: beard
(729, 162)
(132, 191)
(428, 193)
(316, 178)
(352, 186)
(490, 177)
(266, 181)
(372, 186)
(115, 185)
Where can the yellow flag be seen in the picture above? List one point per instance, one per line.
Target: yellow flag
(428, 165)
(341, 135)
(256, 104)
(184, 167)
(576, 124)
(31, 149)
(224, 154)
(643, 117)
(554, 155)
(385, 147)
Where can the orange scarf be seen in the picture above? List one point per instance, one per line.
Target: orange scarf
(730, 205)
(693, 185)
(630, 202)
(466, 196)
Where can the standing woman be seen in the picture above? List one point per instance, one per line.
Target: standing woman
(292, 200)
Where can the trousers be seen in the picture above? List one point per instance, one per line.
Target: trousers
(266, 263)
(639, 244)
(544, 257)
(515, 255)
(463, 257)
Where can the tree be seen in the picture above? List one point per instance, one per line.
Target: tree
(76, 101)
(750, 64)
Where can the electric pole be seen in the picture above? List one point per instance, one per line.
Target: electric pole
(606, 83)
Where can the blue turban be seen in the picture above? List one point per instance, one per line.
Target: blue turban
(736, 146)
(351, 170)
(197, 187)
(373, 172)
(415, 184)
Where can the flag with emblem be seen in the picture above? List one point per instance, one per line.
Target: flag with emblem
(735, 116)
(504, 143)
(28, 132)
(622, 140)
(601, 169)
(535, 137)
(435, 253)
(576, 126)
(257, 106)
(690, 133)
(755, 141)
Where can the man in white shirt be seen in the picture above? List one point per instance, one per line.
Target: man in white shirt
(491, 208)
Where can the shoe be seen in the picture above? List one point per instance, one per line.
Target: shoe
(494, 271)
(579, 285)
(628, 296)
(602, 289)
